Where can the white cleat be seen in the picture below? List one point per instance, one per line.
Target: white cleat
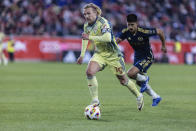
(140, 102)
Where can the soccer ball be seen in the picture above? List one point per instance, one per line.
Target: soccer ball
(92, 112)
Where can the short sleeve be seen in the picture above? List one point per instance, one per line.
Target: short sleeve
(122, 35)
(150, 31)
(106, 27)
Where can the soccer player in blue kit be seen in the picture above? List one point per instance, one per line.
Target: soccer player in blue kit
(138, 38)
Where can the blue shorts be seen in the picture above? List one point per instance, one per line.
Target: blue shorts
(143, 64)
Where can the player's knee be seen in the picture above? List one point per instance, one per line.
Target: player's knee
(130, 75)
(90, 73)
(123, 82)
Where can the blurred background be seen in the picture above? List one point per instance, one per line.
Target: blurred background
(50, 30)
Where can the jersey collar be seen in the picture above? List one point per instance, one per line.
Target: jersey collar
(133, 34)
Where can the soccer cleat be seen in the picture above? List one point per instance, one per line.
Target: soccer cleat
(140, 102)
(156, 101)
(144, 85)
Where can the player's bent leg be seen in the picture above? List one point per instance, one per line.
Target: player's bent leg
(155, 97)
(144, 85)
(151, 92)
(132, 87)
(133, 73)
(143, 65)
(129, 84)
(143, 81)
(92, 68)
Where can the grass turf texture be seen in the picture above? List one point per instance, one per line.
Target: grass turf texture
(52, 97)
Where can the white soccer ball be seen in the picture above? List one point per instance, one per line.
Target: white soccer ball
(92, 112)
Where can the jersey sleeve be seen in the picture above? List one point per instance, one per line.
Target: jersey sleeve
(106, 27)
(105, 30)
(84, 28)
(84, 43)
(149, 31)
(122, 35)
(84, 46)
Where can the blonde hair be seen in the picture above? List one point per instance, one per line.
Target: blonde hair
(95, 7)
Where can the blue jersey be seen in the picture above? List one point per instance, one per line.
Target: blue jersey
(139, 41)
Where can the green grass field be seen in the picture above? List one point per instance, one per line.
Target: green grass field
(52, 97)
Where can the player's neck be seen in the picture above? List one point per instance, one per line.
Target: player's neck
(133, 32)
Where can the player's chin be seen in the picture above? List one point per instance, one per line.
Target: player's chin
(131, 30)
(88, 20)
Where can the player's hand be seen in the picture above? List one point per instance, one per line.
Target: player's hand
(164, 49)
(79, 60)
(118, 40)
(85, 36)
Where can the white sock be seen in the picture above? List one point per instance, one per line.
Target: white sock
(93, 87)
(151, 92)
(140, 77)
(5, 61)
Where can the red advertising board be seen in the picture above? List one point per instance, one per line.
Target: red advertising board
(51, 48)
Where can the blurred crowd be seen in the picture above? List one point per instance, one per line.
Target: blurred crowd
(64, 17)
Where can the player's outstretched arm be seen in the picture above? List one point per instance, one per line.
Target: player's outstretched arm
(162, 38)
(83, 50)
(106, 37)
